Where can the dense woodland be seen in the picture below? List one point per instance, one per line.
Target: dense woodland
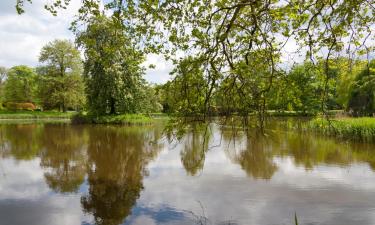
(229, 59)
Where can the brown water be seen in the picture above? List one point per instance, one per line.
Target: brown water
(64, 174)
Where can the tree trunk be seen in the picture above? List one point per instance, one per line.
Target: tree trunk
(112, 106)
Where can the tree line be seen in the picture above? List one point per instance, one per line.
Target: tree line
(300, 88)
(232, 54)
(59, 83)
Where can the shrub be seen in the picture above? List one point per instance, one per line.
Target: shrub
(124, 119)
(20, 106)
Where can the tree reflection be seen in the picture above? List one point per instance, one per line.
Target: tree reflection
(117, 159)
(195, 145)
(256, 153)
(64, 157)
(252, 152)
(21, 141)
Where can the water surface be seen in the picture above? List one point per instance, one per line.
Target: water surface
(110, 175)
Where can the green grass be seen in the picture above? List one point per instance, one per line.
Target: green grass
(289, 113)
(125, 119)
(300, 113)
(20, 115)
(362, 128)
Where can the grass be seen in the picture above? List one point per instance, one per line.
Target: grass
(125, 119)
(300, 113)
(362, 128)
(289, 113)
(20, 115)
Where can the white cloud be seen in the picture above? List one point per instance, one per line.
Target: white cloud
(159, 74)
(22, 36)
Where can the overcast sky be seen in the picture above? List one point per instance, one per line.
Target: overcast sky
(22, 36)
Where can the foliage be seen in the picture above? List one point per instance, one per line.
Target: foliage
(150, 100)
(125, 119)
(362, 95)
(348, 70)
(61, 58)
(112, 68)
(303, 89)
(186, 92)
(20, 85)
(232, 53)
(60, 81)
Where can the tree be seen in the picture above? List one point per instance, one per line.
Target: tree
(230, 36)
(348, 72)
(112, 70)
(304, 88)
(20, 85)
(362, 96)
(60, 81)
(3, 74)
(188, 88)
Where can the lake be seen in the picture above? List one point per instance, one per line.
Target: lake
(110, 175)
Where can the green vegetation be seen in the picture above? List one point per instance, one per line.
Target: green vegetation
(20, 85)
(113, 74)
(125, 119)
(362, 129)
(59, 79)
(228, 56)
(35, 115)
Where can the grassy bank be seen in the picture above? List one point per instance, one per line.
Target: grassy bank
(125, 119)
(300, 113)
(362, 129)
(20, 115)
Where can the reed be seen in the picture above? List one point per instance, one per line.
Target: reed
(362, 128)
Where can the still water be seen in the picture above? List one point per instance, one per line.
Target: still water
(109, 175)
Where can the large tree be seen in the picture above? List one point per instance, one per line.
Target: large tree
(60, 81)
(20, 85)
(112, 69)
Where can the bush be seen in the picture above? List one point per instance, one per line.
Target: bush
(20, 106)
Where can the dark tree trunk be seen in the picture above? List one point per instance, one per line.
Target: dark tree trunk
(112, 106)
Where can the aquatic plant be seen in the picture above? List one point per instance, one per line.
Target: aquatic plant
(362, 129)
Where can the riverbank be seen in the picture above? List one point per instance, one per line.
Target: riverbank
(362, 128)
(124, 119)
(34, 115)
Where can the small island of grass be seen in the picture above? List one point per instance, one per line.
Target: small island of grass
(123, 119)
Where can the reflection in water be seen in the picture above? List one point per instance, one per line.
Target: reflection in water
(256, 153)
(116, 160)
(256, 158)
(196, 143)
(64, 157)
(132, 175)
(22, 141)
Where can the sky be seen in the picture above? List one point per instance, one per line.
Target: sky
(23, 36)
